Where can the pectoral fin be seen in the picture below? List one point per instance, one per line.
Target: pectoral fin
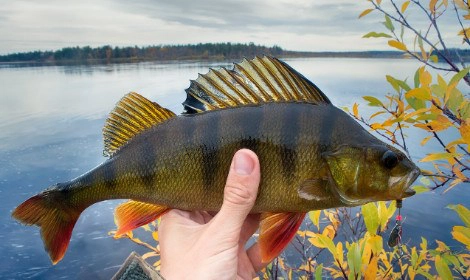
(133, 214)
(315, 189)
(276, 230)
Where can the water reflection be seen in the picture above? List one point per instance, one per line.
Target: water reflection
(50, 131)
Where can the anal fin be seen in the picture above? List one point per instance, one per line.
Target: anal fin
(133, 214)
(276, 231)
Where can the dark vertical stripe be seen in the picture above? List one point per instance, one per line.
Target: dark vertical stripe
(109, 174)
(146, 157)
(249, 120)
(289, 133)
(327, 127)
(209, 147)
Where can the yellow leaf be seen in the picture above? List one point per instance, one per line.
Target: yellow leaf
(371, 270)
(355, 110)
(397, 45)
(441, 246)
(340, 253)
(376, 244)
(315, 218)
(432, 6)
(425, 78)
(404, 6)
(439, 156)
(155, 235)
(467, 32)
(371, 217)
(329, 231)
(465, 131)
(419, 93)
(461, 4)
(425, 140)
(149, 255)
(365, 12)
(322, 241)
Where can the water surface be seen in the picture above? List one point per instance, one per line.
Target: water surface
(50, 131)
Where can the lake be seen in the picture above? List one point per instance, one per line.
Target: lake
(50, 131)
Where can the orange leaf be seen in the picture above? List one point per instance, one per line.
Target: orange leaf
(404, 6)
(365, 12)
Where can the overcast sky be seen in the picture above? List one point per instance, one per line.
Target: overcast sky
(309, 25)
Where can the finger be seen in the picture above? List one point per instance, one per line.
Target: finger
(240, 191)
(254, 254)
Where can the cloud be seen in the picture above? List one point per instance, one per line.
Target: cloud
(318, 25)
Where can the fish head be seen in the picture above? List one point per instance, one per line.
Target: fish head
(362, 174)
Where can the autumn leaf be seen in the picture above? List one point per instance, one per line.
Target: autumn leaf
(462, 234)
(365, 12)
(371, 217)
(397, 45)
(376, 35)
(463, 212)
(404, 6)
(355, 110)
(439, 156)
(419, 93)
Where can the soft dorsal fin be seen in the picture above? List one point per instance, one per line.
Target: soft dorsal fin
(132, 115)
(256, 81)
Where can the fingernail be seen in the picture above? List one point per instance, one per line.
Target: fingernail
(243, 163)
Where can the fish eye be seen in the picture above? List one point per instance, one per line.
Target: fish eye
(389, 159)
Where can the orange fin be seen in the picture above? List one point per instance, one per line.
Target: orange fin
(276, 231)
(56, 221)
(133, 214)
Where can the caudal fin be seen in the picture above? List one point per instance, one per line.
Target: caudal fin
(56, 219)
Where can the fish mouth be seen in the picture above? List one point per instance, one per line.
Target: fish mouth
(408, 191)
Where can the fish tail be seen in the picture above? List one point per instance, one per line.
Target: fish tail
(54, 215)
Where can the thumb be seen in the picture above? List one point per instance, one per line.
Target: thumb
(240, 191)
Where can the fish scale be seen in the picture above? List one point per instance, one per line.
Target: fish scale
(312, 156)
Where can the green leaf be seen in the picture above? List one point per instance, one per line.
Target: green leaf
(463, 212)
(397, 84)
(376, 35)
(374, 102)
(457, 77)
(388, 23)
(318, 272)
(438, 90)
(455, 100)
(354, 259)
(322, 241)
(420, 189)
(416, 78)
(315, 218)
(442, 268)
(371, 217)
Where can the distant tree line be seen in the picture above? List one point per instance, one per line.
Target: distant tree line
(161, 52)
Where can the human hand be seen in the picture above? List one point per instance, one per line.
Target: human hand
(198, 245)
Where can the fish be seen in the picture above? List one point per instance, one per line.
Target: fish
(312, 155)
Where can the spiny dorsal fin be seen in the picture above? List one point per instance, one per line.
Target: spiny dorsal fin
(256, 81)
(132, 115)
